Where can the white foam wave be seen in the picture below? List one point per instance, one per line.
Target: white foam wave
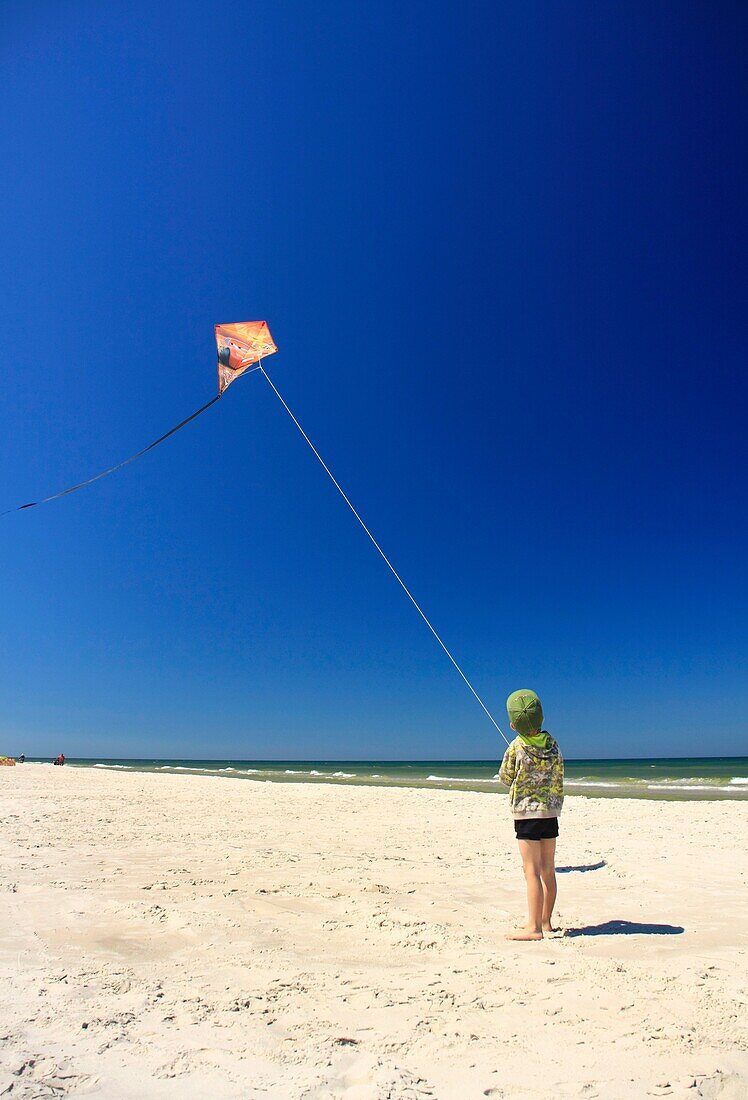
(202, 771)
(590, 783)
(740, 781)
(685, 787)
(125, 767)
(686, 781)
(458, 779)
(343, 775)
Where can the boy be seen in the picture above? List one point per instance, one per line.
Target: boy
(533, 769)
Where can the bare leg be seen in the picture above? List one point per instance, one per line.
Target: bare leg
(533, 930)
(548, 878)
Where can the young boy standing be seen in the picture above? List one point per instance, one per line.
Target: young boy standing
(533, 769)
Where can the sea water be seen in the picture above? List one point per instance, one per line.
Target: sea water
(672, 779)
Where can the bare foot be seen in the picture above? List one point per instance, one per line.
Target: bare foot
(524, 934)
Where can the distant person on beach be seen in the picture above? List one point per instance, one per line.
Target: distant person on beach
(60, 759)
(533, 769)
(22, 758)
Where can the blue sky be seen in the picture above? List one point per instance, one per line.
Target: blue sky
(503, 251)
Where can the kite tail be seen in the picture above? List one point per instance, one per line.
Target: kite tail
(387, 561)
(112, 469)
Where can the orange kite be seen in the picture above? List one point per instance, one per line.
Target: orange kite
(239, 347)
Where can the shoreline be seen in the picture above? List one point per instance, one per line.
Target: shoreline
(721, 784)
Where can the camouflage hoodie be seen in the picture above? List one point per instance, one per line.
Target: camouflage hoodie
(535, 778)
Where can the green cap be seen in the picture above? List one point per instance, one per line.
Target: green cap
(524, 710)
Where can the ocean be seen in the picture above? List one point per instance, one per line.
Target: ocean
(672, 779)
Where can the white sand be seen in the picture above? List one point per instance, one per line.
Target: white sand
(189, 936)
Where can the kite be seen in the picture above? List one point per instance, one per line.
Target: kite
(240, 347)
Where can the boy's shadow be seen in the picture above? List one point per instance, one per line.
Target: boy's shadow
(626, 928)
(582, 867)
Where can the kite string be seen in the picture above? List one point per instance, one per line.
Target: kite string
(387, 561)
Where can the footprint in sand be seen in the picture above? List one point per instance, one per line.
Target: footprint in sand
(39, 1076)
(177, 1067)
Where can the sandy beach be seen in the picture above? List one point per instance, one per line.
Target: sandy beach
(190, 936)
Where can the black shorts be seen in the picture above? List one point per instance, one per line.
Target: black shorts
(536, 828)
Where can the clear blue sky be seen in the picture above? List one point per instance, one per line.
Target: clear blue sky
(504, 252)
